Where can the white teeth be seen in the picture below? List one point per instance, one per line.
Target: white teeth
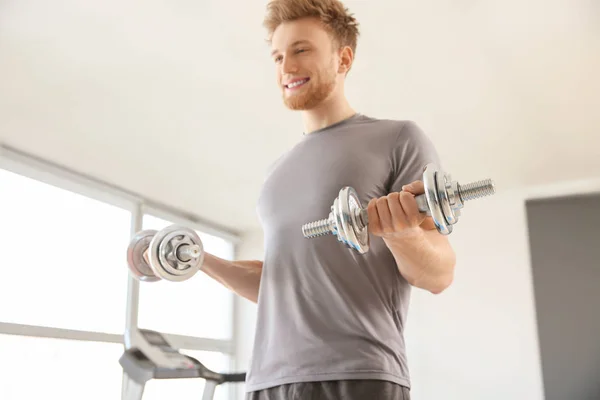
(297, 83)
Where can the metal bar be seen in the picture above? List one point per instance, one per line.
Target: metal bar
(236, 323)
(235, 391)
(235, 364)
(209, 390)
(201, 344)
(38, 168)
(58, 333)
(131, 390)
(133, 285)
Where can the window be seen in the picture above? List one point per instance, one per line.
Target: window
(63, 257)
(40, 368)
(64, 266)
(197, 307)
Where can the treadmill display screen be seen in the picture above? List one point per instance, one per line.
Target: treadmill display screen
(155, 338)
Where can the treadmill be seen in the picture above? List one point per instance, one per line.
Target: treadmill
(148, 356)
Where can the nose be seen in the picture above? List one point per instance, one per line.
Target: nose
(288, 66)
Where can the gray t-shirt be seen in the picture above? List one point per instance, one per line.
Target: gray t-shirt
(326, 312)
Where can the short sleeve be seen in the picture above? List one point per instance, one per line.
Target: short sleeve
(413, 150)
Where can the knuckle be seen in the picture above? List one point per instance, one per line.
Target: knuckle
(406, 198)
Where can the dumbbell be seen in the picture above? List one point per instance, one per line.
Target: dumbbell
(443, 200)
(175, 253)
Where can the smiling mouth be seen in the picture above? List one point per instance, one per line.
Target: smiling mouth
(297, 84)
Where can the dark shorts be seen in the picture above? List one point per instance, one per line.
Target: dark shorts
(334, 390)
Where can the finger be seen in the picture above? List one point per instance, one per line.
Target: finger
(412, 214)
(428, 224)
(399, 220)
(374, 223)
(416, 187)
(385, 216)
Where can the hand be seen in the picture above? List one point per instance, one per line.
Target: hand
(397, 213)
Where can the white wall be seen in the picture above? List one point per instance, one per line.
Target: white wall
(477, 340)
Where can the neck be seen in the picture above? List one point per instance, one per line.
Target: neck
(327, 113)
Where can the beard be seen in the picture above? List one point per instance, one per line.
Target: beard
(315, 91)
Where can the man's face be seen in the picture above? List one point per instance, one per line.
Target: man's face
(306, 63)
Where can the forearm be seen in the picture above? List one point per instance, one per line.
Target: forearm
(241, 277)
(425, 258)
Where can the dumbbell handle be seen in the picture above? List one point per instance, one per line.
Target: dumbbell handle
(184, 252)
(421, 204)
(457, 197)
(463, 193)
(187, 252)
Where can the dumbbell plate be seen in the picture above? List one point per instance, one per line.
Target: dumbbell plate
(442, 182)
(353, 232)
(435, 206)
(135, 256)
(163, 250)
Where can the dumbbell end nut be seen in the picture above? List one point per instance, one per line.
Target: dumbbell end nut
(317, 228)
(476, 190)
(187, 252)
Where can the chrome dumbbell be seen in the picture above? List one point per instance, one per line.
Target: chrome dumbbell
(174, 253)
(443, 199)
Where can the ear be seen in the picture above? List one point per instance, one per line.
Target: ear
(346, 58)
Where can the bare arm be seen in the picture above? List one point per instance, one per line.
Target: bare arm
(423, 255)
(241, 277)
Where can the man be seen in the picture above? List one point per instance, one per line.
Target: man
(330, 320)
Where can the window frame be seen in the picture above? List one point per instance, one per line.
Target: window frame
(50, 173)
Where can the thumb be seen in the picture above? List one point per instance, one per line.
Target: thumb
(415, 187)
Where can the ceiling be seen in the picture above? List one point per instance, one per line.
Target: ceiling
(177, 100)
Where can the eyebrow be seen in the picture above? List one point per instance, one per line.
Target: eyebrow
(296, 43)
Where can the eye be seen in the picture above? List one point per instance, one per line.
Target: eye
(278, 59)
(301, 51)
